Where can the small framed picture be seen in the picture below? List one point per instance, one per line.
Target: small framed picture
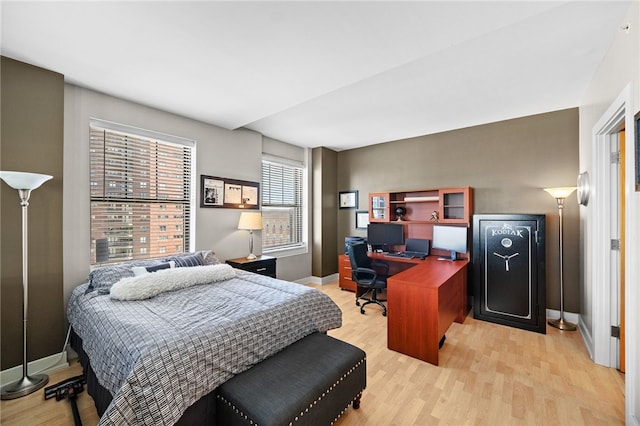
(362, 219)
(348, 199)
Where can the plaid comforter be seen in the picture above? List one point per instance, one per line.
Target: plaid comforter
(159, 356)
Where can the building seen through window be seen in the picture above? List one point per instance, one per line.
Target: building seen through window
(140, 195)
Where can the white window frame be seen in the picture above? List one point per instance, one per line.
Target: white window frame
(302, 247)
(138, 132)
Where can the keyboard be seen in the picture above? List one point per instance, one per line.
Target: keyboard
(418, 254)
(406, 255)
(397, 255)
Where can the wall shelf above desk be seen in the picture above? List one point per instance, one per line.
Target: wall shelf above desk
(451, 205)
(423, 209)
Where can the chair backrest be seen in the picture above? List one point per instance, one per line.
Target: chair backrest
(358, 256)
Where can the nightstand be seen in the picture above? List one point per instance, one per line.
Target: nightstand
(263, 265)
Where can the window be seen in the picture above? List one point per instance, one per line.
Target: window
(282, 212)
(131, 190)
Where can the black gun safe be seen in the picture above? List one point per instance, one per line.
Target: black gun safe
(509, 270)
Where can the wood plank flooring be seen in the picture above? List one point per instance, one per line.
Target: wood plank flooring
(488, 375)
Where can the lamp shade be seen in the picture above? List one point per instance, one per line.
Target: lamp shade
(250, 220)
(24, 180)
(560, 192)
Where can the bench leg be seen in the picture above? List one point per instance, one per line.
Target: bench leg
(356, 401)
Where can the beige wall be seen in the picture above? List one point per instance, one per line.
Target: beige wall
(507, 163)
(32, 128)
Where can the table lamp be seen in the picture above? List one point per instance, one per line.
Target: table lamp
(560, 194)
(251, 221)
(24, 183)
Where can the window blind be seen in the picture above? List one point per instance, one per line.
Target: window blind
(282, 187)
(140, 194)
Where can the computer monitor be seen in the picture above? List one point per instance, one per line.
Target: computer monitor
(450, 238)
(385, 234)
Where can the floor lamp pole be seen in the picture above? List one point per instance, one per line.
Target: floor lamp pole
(27, 384)
(560, 322)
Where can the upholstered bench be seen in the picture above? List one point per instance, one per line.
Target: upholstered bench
(311, 382)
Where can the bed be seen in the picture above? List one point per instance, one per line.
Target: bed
(159, 360)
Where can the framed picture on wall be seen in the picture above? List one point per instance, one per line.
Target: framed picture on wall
(348, 199)
(229, 193)
(362, 219)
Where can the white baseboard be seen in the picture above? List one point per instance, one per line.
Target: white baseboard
(319, 280)
(43, 365)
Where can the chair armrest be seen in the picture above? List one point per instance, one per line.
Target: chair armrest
(364, 276)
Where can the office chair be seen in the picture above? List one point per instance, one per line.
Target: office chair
(367, 274)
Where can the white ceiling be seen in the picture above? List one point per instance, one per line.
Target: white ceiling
(334, 74)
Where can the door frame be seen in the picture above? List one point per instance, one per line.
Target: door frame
(619, 112)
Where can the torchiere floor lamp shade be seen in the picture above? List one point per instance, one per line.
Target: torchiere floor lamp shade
(24, 183)
(560, 194)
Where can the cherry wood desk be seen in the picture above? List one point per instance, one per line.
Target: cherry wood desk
(422, 302)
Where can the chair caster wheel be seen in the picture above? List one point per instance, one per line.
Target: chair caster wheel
(362, 311)
(357, 303)
(384, 314)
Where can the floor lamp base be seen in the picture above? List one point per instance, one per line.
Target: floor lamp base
(562, 324)
(24, 386)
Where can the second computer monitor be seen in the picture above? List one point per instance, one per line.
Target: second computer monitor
(450, 238)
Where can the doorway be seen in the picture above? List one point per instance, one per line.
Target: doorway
(617, 236)
(606, 132)
(605, 227)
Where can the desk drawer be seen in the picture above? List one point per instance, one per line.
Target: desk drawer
(344, 272)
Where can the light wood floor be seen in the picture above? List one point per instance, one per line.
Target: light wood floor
(488, 375)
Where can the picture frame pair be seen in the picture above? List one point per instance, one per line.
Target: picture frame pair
(229, 193)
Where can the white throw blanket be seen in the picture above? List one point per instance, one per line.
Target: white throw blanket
(149, 285)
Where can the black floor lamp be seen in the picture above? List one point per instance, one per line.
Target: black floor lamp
(24, 183)
(560, 194)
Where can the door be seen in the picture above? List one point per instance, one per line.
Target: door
(509, 273)
(622, 203)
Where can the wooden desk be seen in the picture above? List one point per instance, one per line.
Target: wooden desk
(422, 302)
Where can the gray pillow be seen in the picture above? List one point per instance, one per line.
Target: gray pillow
(209, 257)
(197, 258)
(106, 276)
(186, 260)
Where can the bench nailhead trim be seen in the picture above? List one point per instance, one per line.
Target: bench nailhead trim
(344, 376)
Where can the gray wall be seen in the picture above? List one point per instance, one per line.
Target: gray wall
(32, 128)
(234, 154)
(325, 195)
(507, 163)
(45, 125)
